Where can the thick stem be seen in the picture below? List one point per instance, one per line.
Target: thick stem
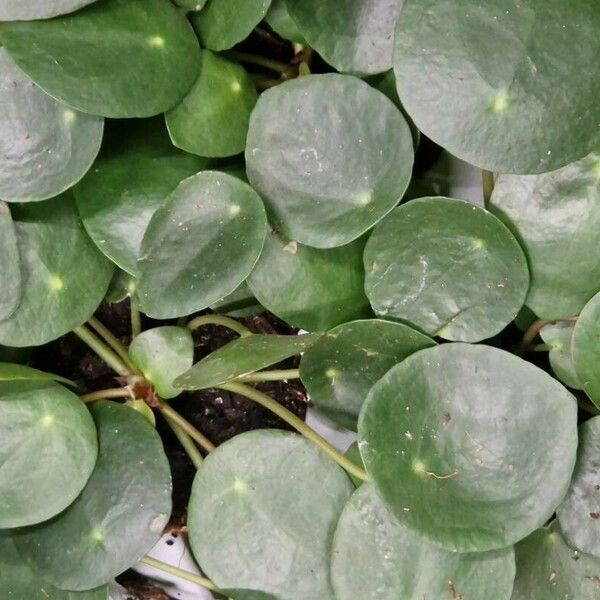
(534, 330)
(219, 320)
(136, 320)
(261, 61)
(177, 572)
(186, 441)
(274, 375)
(185, 426)
(488, 186)
(113, 342)
(106, 394)
(298, 424)
(102, 350)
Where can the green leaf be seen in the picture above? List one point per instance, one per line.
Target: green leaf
(279, 19)
(122, 285)
(192, 5)
(310, 288)
(240, 303)
(356, 37)
(330, 155)
(46, 147)
(547, 569)
(559, 337)
(244, 355)
(556, 217)
(448, 267)
(586, 349)
(374, 556)
(470, 447)
(162, 354)
(579, 513)
(117, 58)
(212, 119)
(499, 84)
(26, 10)
(10, 265)
(17, 372)
(120, 514)
(65, 276)
(18, 581)
(200, 245)
(252, 518)
(340, 368)
(117, 199)
(47, 450)
(223, 23)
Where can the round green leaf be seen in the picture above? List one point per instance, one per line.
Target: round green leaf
(117, 58)
(340, 368)
(252, 518)
(491, 83)
(374, 556)
(310, 288)
(559, 337)
(18, 581)
(279, 19)
(586, 348)
(579, 514)
(200, 245)
(244, 355)
(17, 372)
(117, 199)
(65, 276)
(162, 354)
(223, 23)
(470, 447)
(447, 266)
(10, 265)
(547, 569)
(556, 216)
(356, 36)
(27, 10)
(120, 514)
(212, 120)
(240, 303)
(46, 147)
(330, 155)
(47, 450)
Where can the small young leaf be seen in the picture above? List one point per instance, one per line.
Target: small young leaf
(28, 10)
(162, 354)
(308, 287)
(10, 265)
(340, 368)
(117, 58)
(374, 556)
(448, 267)
(212, 119)
(242, 356)
(47, 450)
(262, 515)
(16, 372)
(327, 176)
(120, 514)
(470, 447)
(559, 337)
(46, 147)
(586, 350)
(200, 245)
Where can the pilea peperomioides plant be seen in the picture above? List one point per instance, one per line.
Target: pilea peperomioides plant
(251, 182)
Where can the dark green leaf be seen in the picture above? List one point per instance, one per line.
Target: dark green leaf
(21, 10)
(375, 557)
(122, 285)
(240, 303)
(200, 245)
(470, 447)
(499, 84)
(162, 354)
(340, 368)
(448, 267)
(212, 119)
(263, 512)
(47, 450)
(330, 155)
(556, 216)
(65, 275)
(119, 515)
(559, 337)
(45, 146)
(116, 58)
(244, 355)
(353, 36)
(279, 19)
(10, 265)
(310, 288)
(586, 349)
